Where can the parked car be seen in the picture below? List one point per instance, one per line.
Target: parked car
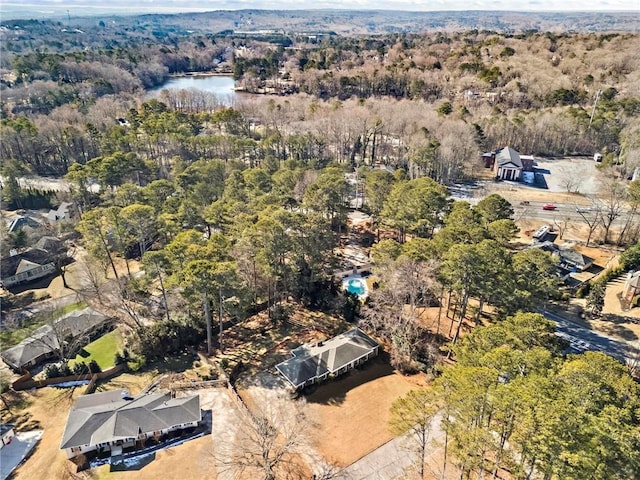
(549, 206)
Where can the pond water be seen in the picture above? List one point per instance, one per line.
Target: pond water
(221, 86)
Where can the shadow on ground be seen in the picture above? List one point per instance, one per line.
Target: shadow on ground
(36, 285)
(334, 392)
(613, 326)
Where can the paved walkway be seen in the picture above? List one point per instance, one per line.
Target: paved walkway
(14, 454)
(391, 460)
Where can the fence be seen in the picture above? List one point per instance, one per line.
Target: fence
(25, 382)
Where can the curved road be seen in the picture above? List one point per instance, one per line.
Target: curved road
(582, 339)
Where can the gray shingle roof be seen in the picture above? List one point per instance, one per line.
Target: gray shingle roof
(109, 416)
(46, 339)
(314, 360)
(508, 155)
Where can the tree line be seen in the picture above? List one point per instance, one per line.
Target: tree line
(513, 403)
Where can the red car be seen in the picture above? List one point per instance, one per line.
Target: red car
(549, 206)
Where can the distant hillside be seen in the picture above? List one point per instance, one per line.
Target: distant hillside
(361, 22)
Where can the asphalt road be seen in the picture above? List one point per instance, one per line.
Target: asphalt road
(562, 212)
(582, 339)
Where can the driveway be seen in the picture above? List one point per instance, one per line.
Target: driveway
(391, 460)
(17, 451)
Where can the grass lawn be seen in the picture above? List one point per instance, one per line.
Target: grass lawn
(102, 350)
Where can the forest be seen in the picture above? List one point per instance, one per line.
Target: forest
(242, 208)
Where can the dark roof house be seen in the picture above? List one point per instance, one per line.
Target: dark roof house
(315, 362)
(568, 258)
(114, 420)
(45, 341)
(25, 267)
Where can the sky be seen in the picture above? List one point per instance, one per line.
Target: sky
(408, 5)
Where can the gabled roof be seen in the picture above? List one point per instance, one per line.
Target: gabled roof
(61, 213)
(49, 244)
(566, 255)
(315, 360)
(17, 222)
(633, 279)
(508, 156)
(46, 339)
(9, 265)
(574, 258)
(109, 416)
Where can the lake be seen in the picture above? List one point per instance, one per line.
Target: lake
(221, 86)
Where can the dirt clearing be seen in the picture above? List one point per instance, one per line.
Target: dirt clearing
(354, 411)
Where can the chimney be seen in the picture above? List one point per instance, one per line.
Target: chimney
(13, 252)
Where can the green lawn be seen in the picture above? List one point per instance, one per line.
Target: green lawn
(102, 350)
(9, 338)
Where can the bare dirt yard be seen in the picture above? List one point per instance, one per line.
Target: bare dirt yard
(47, 409)
(352, 413)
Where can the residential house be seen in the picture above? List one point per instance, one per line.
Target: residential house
(63, 212)
(7, 432)
(33, 264)
(74, 328)
(30, 265)
(26, 221)
(111, 421)
(312, 363)
(568, 258)
(631, 286)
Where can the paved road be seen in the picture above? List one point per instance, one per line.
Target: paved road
(562, 212)
(582, 339)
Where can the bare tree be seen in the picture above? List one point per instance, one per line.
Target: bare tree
(569, 180)
(592, 218)
(395, 308)
(561, 224)
(613, 198)
(268, 443)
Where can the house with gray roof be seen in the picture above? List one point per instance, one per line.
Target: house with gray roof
(508, 164)
(312, 363)
(111, 421)
(72, 329)
(30, 265)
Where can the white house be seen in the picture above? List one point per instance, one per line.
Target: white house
(111, 421)
(25, 267)
(508, 164)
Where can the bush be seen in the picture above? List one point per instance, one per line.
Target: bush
(94, 367)
(52, 371)
(80, 368)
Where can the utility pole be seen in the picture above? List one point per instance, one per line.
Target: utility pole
(593, 111)
(68, 19)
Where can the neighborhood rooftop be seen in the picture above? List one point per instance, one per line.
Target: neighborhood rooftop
(311, 362)
(44, 341)
(108, 417)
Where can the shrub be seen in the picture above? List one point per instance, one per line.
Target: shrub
(80, 368)
(52, 371)
(94, 367)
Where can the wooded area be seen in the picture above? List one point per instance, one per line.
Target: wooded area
(237, 209)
